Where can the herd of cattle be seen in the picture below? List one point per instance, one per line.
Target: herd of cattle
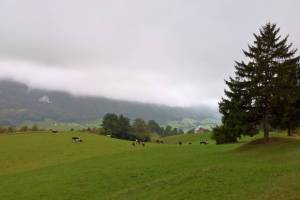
(136, 142)
(201, 142)
(139, 142)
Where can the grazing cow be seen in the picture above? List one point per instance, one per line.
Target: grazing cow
(180, 143)
(53, 131)
(133, 144)
(159, 141)
(76, 139)
(143, 143)
(204, 142)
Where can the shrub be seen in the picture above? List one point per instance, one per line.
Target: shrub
(223, 135)
(24, 129)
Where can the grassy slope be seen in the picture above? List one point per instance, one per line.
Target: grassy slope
(48, 166)
(194, 138)
(28, 151)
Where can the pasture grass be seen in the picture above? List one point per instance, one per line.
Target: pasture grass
(51, 166)
(186, 138)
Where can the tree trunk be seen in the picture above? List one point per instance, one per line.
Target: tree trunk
(289, 131)
(266, 129)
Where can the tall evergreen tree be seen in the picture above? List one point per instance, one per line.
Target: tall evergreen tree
(262, 82)
(110, 124)
(168, 130)
(154, 127)
(139, 125)
(238, 115)
(123, 124)
(287, 103)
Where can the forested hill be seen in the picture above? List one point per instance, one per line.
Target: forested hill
(18, 103)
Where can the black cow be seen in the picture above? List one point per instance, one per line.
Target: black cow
(204, 142)
(53, 131)
(76, 139)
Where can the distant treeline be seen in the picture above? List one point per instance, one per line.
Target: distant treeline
(119, 126)
(12, 129)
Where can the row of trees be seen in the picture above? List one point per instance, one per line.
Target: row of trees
(9, 129)
(119, 126)
(12, 129)
(265, 92)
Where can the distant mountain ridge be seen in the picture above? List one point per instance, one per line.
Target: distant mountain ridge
(18, 103)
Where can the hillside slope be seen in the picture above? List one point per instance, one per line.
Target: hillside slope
(33, 166)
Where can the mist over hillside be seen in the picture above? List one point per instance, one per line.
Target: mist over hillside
(19, 103)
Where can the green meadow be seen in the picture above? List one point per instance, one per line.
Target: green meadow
(38, 166)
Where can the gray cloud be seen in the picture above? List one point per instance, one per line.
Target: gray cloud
(161, 51)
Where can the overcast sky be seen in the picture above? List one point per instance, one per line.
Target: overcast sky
(174, 52)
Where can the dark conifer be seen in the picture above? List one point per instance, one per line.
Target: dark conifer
(265, 90)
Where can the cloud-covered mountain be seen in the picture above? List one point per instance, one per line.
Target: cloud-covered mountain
(19, 103)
